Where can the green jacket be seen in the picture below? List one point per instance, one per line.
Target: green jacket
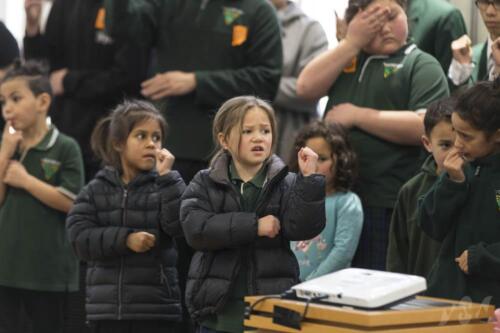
(410, 250)
(232, 46)
(407, 80)
(466, 216)
(434, 24)
(479, 58)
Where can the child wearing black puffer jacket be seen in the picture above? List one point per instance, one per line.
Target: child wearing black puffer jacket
(241, 214)
(124, 223)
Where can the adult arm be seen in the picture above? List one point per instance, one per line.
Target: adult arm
(484, 260)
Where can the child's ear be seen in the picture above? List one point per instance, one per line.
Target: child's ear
(117, 146)
(427, 143)
(43, 102)
(496, 137)
(221, 138)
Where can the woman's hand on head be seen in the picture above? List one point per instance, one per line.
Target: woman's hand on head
(141, 241)
(164, 161)
(10, 141)
(365, 25)
(308, 161)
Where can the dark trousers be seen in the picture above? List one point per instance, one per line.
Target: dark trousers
(372, 247)
(44, 309)
(187, 169)
(133, 326)
(202, 329)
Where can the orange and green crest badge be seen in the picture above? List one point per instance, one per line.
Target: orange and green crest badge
(498, 199)
(231, 14)
(50, 167)
(391, 69)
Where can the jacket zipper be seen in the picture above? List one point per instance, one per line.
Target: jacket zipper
(203, 6)
(265, 191)
(120, 276)
(164, 280)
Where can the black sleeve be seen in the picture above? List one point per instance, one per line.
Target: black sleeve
(303, 207)
(205, 230)
(172, 187)
(90, 240)
(9, 50)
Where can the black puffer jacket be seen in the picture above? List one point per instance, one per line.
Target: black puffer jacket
(122, 284)
(222, 234)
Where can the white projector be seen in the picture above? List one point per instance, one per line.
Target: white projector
(361, 288)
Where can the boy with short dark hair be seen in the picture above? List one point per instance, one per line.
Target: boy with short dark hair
(41, 171)
(411, 251)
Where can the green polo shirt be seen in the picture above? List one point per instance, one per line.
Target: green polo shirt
(230, 317)
(34, 251)
(407, 80)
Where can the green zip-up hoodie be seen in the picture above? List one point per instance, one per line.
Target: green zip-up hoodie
(410, 250)
(232, 46)
(466, 216)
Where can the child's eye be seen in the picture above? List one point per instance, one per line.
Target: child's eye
(140, 136)
(246, 131)
(156, 137)
(266, 131)
(16, 98)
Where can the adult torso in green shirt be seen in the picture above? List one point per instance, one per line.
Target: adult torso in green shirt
(407, 80)
(230, 317)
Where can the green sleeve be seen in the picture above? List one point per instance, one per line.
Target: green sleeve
(428, 82)
(398, 248)
(261, 74)
(484, 260)
(72, 172)
(135, 19)
(450, 27)
(440, 206)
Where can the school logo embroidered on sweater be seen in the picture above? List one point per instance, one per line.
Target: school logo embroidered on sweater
(390, 69)
(231, 14)
(50, 167)
(498, 199)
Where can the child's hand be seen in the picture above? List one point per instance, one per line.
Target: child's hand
(341, 26)
(365, 25)
(164, 161)
(16, 175)
(497, 321)
(463, 262)
(141, 241)
(10, 141)
(269, 226)
(453, 164)
(462, 50)
(308, 161)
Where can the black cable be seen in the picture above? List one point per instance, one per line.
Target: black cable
(314, 299)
